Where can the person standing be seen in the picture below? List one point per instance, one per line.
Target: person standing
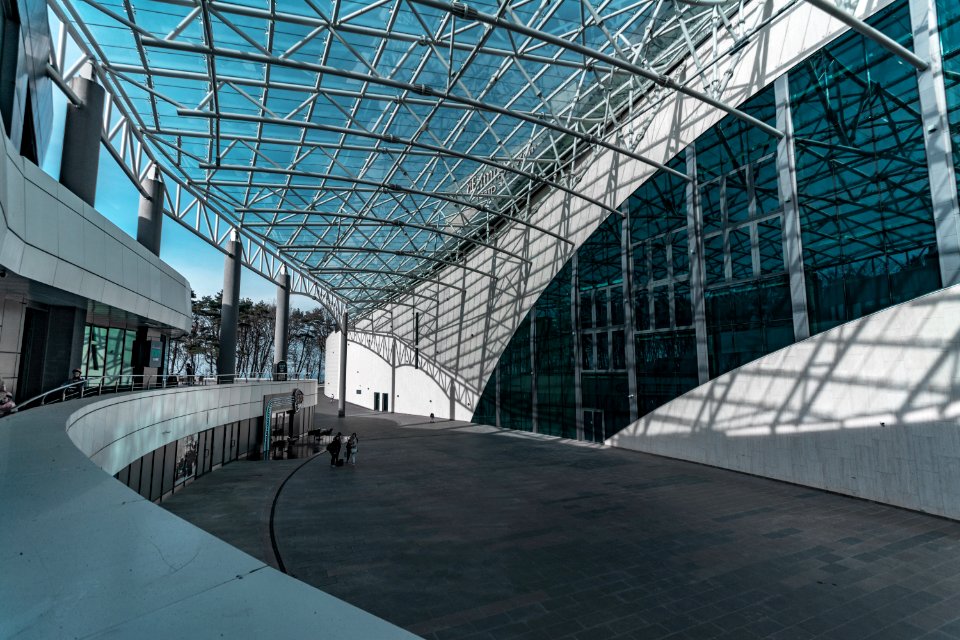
(352, 448)
(334, 449)
(190, 372)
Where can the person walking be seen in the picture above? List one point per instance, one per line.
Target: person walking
(334, 449)
(352, 448)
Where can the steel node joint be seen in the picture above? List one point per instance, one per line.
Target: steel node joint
(463, 10)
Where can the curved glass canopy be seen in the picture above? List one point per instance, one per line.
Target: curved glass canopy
(370, 144)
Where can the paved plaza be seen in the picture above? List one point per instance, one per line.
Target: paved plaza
(458, 531)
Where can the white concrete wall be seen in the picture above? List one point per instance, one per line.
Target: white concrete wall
(465, 333)
(870, 409)
(423, 390)
(116, 430)
(49, 235)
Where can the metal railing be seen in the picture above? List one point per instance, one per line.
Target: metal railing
(101, 385)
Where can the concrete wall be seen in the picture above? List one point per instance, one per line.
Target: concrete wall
(84, 556)
(465, 332)
(422, 389)
(870, 409)
(49, 235)
(116, 430)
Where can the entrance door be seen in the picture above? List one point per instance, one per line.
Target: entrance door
(386, 402)
(593, 428)
(376, 401)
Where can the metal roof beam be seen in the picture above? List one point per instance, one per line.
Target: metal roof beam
(321, 271)
(425, 90)
(387, 187)
(317, 248)
(867, 31)
(392, 139)
(469, 13)
(366, 219)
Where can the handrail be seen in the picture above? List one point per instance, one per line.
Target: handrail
(128, 382)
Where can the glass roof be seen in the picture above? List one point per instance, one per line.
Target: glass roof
(372, 143)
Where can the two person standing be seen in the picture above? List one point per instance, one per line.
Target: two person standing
(341, 451)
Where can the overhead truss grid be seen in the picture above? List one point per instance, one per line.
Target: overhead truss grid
(363, 146)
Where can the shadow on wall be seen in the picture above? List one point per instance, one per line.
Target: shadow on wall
(869, 409)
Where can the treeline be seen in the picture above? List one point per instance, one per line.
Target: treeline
(308, 335)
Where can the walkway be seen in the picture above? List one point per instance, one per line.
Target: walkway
(458, 531)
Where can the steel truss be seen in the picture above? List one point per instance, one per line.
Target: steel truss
(376, 145)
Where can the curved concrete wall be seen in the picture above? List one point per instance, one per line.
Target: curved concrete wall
(869, 409)
(49, 235)
(116, 430)
(83, 555)
(474, 317)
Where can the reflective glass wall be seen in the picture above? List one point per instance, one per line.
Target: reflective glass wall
(617, 333)
(107, 352)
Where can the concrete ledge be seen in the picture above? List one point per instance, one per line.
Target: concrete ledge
(49, 235)
(83, 555)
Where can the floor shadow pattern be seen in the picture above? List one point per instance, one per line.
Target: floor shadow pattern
(451, 532)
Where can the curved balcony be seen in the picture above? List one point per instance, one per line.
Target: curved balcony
(84, 555)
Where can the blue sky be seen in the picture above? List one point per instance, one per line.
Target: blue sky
(117, 199)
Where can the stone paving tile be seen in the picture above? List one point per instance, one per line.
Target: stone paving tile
(460, 535)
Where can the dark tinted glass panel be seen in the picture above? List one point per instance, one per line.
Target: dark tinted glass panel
(710, 202)
(600, 306)
(666, 367)
(155, 490)
(660, 204)
(658, 257)
(586, 310)
(770, 245)
(661, 307)
(556, 408)
(586, 347)
(948, 16)
(738, 199)
(617, 351)
(741, 254)
(169, 465)
(681, 304)
(681, 261)
(861, 173)
(616, 306)
(713, 259)
(641, 273)
(603, 352)
(733, 144)
(146, 475)
(765, 188)
(641, 310)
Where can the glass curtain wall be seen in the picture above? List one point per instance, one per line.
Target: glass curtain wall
(665, 345)
(948, 16)
(746, 290)
(869, 239)
(867, 231)
(600, 314)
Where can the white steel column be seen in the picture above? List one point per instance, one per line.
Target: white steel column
(936, 138)
(575, 335)
(629, 339)
(342, 409)
(695, 248)
(792, 240)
